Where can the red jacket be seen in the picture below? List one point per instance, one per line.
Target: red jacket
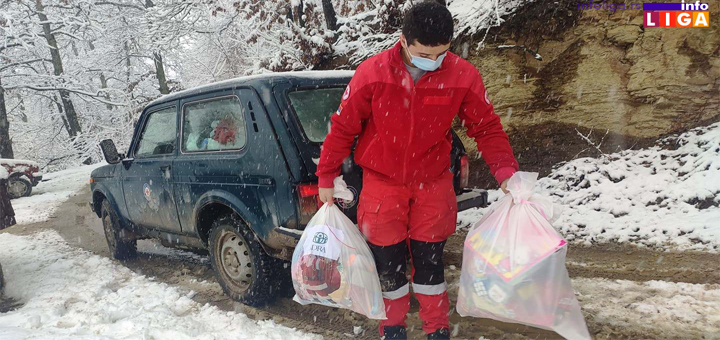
(404, 129)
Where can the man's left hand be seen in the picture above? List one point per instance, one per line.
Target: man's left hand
(503, 186)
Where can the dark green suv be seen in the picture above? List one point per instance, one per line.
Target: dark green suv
(230, 167)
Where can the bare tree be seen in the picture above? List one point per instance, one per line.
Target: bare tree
(73, 125)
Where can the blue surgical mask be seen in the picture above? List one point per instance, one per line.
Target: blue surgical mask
(425, 63)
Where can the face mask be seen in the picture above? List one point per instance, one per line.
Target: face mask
(425, 63)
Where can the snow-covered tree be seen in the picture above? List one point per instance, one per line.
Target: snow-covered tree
(74, 72)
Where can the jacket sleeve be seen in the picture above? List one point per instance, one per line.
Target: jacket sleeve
(346, 123)
(483, 125)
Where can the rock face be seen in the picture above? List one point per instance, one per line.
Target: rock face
(603, 79)
(602, 70)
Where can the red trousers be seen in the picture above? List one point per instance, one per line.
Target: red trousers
(402, 221)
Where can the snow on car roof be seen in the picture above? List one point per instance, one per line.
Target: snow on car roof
(14, 162)
(244, 79)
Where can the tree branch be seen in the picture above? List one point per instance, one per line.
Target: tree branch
(119, 5)
(23, 63)
(97, 96)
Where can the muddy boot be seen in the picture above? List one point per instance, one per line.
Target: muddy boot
(395, 332)
(442, 333)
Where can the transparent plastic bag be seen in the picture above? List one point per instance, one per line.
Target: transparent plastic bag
(514, 265)
(332, 264)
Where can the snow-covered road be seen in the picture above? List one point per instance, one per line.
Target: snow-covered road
(55, 189)
(68, 293)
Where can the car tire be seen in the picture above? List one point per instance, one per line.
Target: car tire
(243, 269)
(19, 186)
(120, 246)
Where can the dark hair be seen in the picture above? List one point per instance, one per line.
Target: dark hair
(428, 23)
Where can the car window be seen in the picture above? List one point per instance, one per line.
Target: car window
(314, 109)
(214, 125)
(158, 136)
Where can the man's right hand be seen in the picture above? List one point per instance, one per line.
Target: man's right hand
(326, 194)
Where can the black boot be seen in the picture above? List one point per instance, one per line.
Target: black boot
(395, 332)
(442, 333)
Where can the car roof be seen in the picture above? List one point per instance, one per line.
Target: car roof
(262, 80)
(18, 162)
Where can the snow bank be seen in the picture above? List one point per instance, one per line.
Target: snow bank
(56, 187)
(666, 196)
(72, 294)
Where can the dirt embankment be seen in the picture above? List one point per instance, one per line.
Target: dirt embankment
(601, 71)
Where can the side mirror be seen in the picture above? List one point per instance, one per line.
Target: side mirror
(110, 152)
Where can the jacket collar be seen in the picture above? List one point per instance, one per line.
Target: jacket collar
(397, 60)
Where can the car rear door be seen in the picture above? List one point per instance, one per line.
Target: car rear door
(147, 173)
(229, 154)
(311, 103)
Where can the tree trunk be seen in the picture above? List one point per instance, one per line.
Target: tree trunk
(73, 124)
(6, 150)
(160, 69)
(128, 65)
(330, 16)
(298, 13)
(60, 109)
(103, 85)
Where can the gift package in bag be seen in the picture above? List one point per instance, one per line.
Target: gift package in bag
(332, 264)
(513, 266)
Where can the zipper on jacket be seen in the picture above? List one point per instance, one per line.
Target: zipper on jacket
(412, 121)
(412, 118)
(412, 127)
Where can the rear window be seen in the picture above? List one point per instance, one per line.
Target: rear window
(314, 108)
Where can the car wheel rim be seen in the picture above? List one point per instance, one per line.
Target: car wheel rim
(16, 188)
(109, 231)
(235, 258)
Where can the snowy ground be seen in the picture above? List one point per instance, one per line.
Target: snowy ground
(55, 188)
(69, 293)
(666, 196)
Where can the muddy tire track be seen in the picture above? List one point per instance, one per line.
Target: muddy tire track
(618, 262)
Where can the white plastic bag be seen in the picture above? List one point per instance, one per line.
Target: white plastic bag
(332, 264)
(514, 265)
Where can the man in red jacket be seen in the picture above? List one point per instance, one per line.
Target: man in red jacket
(401, 104)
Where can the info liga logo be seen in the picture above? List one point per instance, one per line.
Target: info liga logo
(676, 14)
